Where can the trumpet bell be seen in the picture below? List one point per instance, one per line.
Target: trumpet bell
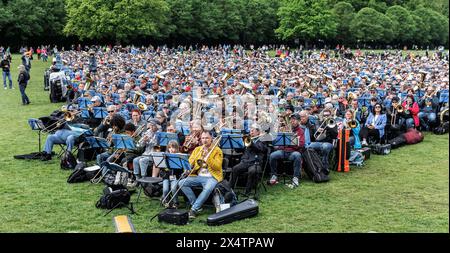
(68, 116)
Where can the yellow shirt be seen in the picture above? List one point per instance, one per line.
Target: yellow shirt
(214, 162)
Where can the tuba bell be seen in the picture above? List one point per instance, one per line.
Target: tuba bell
(142, 106)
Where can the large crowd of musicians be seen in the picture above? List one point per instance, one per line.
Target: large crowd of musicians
(200, 93)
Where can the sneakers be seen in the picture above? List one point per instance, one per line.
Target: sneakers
(193, 214)
(364, 143)
(5, 88)
(295, 183)
(273, 180)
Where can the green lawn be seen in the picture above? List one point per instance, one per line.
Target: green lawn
(406, 191)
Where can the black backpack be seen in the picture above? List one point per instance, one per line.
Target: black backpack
(224, 189)
(314, 166)
(68, 161)
(442, 129)
(113, 198)
(78, 174)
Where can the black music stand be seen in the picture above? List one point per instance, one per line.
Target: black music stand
(37, 124)
(284, 139)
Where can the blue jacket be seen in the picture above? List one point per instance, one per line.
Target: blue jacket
(380, 123)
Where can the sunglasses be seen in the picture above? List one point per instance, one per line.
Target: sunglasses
(377, 106)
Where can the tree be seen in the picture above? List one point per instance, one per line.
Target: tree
(307, 20)
(344, 13)
(377, 5)
(260, 21)
(372, 26)
(25, 23)
(403, 23)
(435, 26)
(119, 20)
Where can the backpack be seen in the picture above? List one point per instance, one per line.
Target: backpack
(78, 174)
(68, 161)
(225, 193)
(153, 190)
(356, 158)
(442, 129)
(314, 166)
(113, 198)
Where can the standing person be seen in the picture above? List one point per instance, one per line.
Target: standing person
(26, 61)
(6, 66)
(23, 81)
(38, 52)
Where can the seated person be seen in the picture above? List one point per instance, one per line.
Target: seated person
(394, 118)
(375, 124)
(102, 129)
(148, 142)
(411, 112)
(62, 136)
(117, 125)
(136, 118)
(428, 108)
(325, 136)
(170, 182)
(251, 160)
(354, 134)
(292, 153)
(200, 176)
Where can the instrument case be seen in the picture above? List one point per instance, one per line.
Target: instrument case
(246, 209)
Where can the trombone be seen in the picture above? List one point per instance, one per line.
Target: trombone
(202, 162)
(328, 123)
(68, 116)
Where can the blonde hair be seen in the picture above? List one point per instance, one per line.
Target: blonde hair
(173, 144)
(21, 68)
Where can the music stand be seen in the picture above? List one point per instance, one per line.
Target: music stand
(231, 141)
(285, 139)
(37, 124)
(164, 138)
(100, 112)
(182, 127)
(177, 161)
(97, 142)
(85, 114)
(123, 141)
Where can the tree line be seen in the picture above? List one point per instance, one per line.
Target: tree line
(350, 22)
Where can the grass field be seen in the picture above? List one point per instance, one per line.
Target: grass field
(406, 191)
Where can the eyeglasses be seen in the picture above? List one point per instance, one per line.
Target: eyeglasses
(377, 106)
(110, 111)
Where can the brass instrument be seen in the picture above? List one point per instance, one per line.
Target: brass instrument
(248, 139)
(350, 97)
(352, 123)
(142, 106)
(442, 115)
(137, 97)
(187, 145)
(68, 116)
(329, 122)
(202, 162)
(398, 109)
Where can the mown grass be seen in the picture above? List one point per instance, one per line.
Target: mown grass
(406, 191)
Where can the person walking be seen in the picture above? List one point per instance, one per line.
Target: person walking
(23, 81)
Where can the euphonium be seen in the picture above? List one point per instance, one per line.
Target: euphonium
(142, 106)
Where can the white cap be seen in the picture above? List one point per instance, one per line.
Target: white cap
(95, 98)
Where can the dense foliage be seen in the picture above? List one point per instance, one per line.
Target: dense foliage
(349, 22)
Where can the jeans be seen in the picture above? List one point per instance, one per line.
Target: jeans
(63, 136)
(7, 74)
(282, 155)
(102, 157)
(140, 165)
(427, 118)
(25, 99)
(409, 123)
(208, 184)
(172, 185)
(325, 149)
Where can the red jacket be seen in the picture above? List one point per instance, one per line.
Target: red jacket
(414, 112)
(301, 141)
